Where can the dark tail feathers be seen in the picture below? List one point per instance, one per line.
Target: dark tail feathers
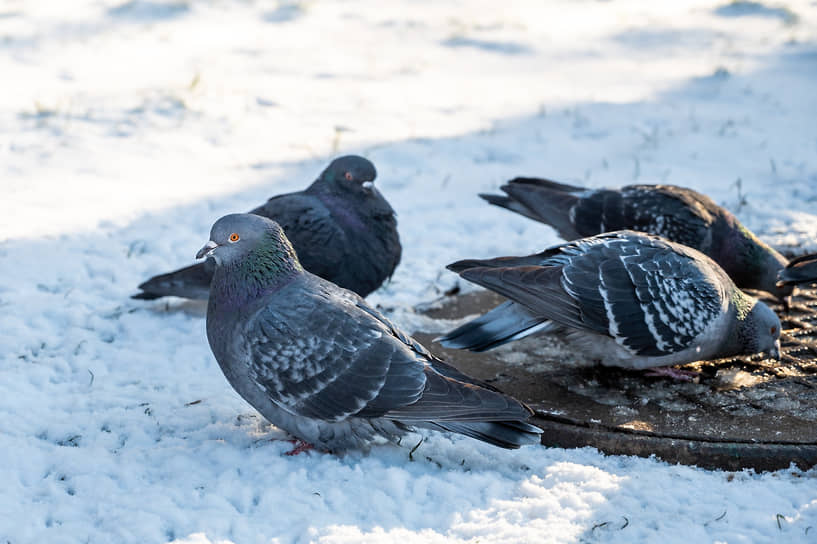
(505, 434)
(189, 282)
(542, 200)
(536, 259)
(545, 184)
(510, 204)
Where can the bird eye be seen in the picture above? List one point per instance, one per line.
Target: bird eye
(774, 330)
(234, 237)
(348, 176)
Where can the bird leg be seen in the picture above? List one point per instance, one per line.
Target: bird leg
(300, 447)
(674, 373)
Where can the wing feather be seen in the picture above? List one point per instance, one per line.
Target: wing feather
(353, 361)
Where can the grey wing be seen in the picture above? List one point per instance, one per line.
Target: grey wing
(353, 362)
(310, 227)
(649, 298)
(343, 365)
(679, 297)
(675, 213)
(447, 395)
(437, 366)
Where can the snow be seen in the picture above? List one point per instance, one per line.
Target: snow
(127, 128)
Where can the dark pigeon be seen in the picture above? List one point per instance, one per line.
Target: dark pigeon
(675, 213)
(320, 363)
(625, 299)
(341, 226)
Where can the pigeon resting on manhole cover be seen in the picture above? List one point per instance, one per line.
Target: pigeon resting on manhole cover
(625, 299)
(676, 213)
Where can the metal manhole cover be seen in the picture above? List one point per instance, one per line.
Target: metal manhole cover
(741, 412)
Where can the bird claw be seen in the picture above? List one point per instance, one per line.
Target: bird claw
(300, 447)
(674, 373)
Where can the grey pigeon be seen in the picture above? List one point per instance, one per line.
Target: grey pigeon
(341, 226)
(321, 364)
(625, 299)
(675, 213)
(800, 270)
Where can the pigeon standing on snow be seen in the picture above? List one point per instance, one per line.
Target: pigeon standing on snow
(625, 298)
(341, 226)
(675, 213)
(320, 363)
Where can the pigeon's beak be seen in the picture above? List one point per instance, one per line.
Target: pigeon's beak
(774, 353)
(207, 249)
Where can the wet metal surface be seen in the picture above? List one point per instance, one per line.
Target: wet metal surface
(742, 412)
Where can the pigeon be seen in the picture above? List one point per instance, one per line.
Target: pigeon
(341, 226)
(624, 299)
(675, 213)
(318, 362)
(803, 269)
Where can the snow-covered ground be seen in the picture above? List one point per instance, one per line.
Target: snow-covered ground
(127, 128)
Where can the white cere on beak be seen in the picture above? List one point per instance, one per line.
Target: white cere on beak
(207, 250)
(367, 185)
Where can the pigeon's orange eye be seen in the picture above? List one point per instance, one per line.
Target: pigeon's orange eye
(774, 330)
(348, 176)
(234, 237)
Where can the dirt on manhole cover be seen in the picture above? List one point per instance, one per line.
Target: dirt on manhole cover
(743, 412)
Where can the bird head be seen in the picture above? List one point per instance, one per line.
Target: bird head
(755, 264)
(236, 236)
(351, 173)
(765, 336)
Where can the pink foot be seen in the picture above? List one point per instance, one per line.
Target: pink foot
(300, 447)
(674, 373)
